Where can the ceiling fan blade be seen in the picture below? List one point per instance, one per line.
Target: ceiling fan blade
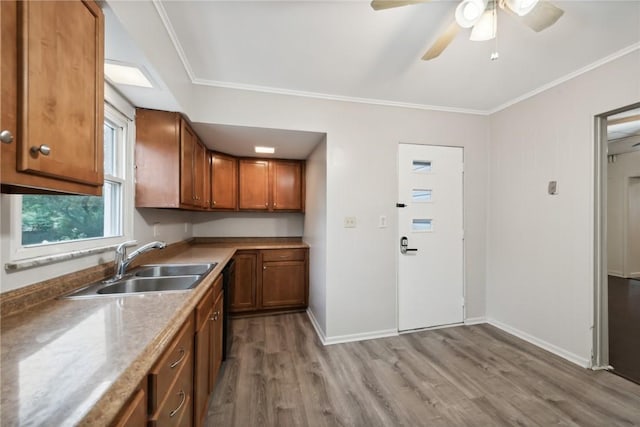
(442, 42)
(388, 4)
(542, 16)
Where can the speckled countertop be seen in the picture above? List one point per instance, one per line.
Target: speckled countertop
(76, 361)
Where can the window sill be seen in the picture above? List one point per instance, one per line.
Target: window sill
(51, 259)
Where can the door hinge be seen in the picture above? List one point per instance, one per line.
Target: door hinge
(400, 205)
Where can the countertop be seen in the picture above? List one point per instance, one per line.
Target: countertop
(76, 361)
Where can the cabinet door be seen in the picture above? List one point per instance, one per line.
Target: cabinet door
(283, 284)
(199, 170)
(243, 290)
(286, 184)
(204, 313)
(254, 184)
(52, 95)
(216, 341)
(188, 142)
(224, 179)
(134, 414)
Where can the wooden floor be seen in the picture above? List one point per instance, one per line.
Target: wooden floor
(624, 327)
(279, 374)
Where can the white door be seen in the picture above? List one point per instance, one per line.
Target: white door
(430, 266)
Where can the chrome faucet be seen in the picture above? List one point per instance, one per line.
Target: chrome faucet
(122, 261)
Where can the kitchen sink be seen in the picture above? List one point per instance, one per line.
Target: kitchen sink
(149, 284)
(161, 270)
(149, 278)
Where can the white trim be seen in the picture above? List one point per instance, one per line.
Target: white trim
(552, 348)
(475, 321)
(333, 97)
(340, 339)
(567, 77)
(117, 101)
(281, 91)
(174, 38)
(431, 328)
(316, 326)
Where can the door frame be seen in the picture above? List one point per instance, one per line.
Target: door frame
(464, 242)
(600, 351)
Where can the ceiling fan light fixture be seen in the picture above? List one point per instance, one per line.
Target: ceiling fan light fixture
(485, 28)
(522, 7)
(469, 12)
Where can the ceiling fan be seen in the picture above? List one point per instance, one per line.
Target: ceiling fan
(481, 17)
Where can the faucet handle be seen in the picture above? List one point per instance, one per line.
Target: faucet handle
(124, 245)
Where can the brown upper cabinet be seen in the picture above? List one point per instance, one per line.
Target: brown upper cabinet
(52, 84)
(271, 185)
(224, 182)
(171, 163)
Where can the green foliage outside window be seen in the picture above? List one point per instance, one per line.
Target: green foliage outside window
(58, 218)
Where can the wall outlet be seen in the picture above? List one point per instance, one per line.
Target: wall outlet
(382, 222)
(349, 222)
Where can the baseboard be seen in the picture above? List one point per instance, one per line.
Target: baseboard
(475, 321)
(316, 326)
(552, 348)
(340, 339)
(347, 338)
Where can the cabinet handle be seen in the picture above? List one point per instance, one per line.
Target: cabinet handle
(6, 137)
(264, 267)
(177, 362)
(274, 204)
(266, 204)
(45, 150)
(183, 397)
(214, 203)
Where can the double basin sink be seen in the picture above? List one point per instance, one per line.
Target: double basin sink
(150, 278)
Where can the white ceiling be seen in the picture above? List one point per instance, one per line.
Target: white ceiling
(241, 140)
(346, 50)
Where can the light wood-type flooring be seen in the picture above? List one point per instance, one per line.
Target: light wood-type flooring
(279, 374)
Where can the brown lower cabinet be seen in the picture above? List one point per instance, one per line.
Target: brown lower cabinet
(179, 384)
(270, 280)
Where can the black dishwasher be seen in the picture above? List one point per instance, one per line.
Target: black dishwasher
(228, 277)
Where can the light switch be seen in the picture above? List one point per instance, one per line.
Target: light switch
(349, 222)
(382, 222)
(553, 187)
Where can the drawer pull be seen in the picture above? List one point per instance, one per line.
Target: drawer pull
(183, 397)
(177, 362)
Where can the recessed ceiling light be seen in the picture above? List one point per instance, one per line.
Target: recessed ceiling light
(125, 74)
(265, 150)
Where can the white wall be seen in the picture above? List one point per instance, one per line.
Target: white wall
(623, 215)
(247, 224)
(540, 278)
(315, 232)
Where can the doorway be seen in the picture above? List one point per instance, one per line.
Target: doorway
(617, 251)
(430, 236)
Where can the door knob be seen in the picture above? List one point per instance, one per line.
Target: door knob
(404, 243)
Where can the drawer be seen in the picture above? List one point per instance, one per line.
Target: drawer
(203, 308)
(283, 255)
(177, 408)
(165, 371)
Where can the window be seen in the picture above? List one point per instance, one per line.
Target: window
(49, 224)
(51, 219)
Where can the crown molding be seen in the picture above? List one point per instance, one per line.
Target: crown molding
(622, 52)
